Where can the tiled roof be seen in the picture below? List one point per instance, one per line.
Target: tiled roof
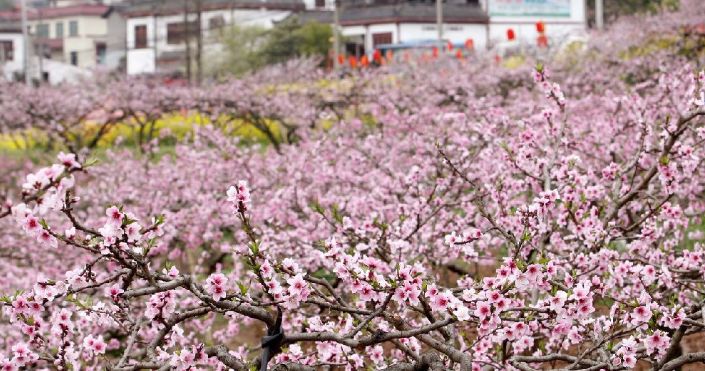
(141, 8)
(97, 10)
(320, 16)
(452, 13)
(403, 12)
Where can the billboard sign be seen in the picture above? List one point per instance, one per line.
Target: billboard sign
(529, 8)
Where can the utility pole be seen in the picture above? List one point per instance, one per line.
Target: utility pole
(599, 14)
(336, 28)
(25, 41)
(155, 38)
(199, 43)
(439, 21)
(40, 46)
(186, 40)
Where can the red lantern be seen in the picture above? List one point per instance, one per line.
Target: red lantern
(510, 35)
(450, 45)
(469, 44)
(377, 56)
(435, 52)
(353, 61)
(459, 54)
(540, 27)
(341, 59)
(542, 41)
(364, 61)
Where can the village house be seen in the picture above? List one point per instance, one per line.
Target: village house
(158, 32)
(367, 24)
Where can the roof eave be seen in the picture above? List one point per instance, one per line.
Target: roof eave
(176, 10)
(426, 20)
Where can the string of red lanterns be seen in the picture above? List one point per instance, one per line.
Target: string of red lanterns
(542, 39)
(382, 59)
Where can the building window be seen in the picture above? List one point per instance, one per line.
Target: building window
(176, 32)
(74, 58)
(101, 52)
(60, 30)
(381, 38)
(7, 51)
(43, 31)
(73, 28)
(320, 3)
(140, 37)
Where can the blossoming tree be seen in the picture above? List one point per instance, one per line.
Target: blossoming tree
(487, 220)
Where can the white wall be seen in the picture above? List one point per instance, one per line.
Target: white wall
(84, 49)
(353, 30)
(311, 4)
(140, 61)
(88, 26)
(17, 64)
(63, 72)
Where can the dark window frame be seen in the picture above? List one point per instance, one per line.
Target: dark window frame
(8, 48)
(141, 39)
(73, 28)
(382, 38)
(101, 53)
(59, 30)
(176, 32)
(43, 30)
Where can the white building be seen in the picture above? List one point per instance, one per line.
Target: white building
(319, 4)
(11, 49)
(12, 65)
(84, 35)
(369, 23)
(157, 33)
(394, 24)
